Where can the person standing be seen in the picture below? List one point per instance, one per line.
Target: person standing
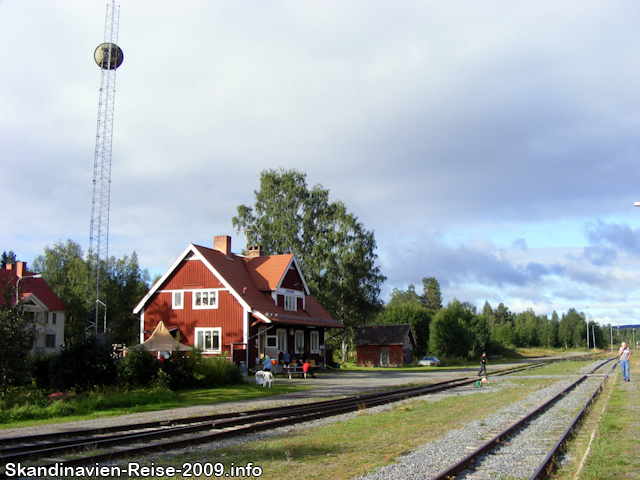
(483, 365)
(266, 366)
(624, 354)
(286, 358)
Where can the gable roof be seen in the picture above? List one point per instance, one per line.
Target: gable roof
(31, 287)
(250, 281)
(383, 334)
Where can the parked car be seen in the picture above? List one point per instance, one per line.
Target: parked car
(429, 362)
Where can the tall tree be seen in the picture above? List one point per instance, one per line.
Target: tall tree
(8, 259)
(17, 334)
(125, 283)
(449, 333)
(405, 307)
(336, 252)
(431, 297)
(65, 271)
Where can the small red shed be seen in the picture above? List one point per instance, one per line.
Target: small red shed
(384, 345)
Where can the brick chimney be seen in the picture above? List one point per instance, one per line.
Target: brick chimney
(222, 244)
(253, 252)
(20, 268)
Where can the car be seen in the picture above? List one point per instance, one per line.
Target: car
(429, 362)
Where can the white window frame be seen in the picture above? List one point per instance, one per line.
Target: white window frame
(281, 335)
(291, 303)
(299, 346)
(175, 305)
(202, 294)
(214, 331)
(314, 341)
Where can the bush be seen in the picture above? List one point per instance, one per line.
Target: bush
(40, 369)
(81, 365)
(195, 371)
(138, 368)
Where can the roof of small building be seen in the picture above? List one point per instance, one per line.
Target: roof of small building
(28, 286)
(383, 334)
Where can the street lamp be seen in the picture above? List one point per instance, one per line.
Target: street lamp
(37, 275)
(104, 328)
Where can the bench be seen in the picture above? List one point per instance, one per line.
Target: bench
(293, 370)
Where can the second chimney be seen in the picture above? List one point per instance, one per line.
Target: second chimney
(253, 252)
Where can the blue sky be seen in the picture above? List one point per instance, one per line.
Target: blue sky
(492, 145)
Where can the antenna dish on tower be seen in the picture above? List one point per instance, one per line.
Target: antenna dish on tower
(108, 56)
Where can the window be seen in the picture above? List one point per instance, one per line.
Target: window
(314, 342)
(299, 341)
(50, 341)
(205, 299)
(176, 300)
(208, 339)
(281, 334)
(54, 318)
(290, 303)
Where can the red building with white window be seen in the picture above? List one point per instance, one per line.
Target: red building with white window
(247, 306)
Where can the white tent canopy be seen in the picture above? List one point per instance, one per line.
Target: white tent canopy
(162, 341)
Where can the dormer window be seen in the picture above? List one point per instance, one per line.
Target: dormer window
(290, 303)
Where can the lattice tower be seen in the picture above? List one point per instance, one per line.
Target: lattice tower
(109, 57)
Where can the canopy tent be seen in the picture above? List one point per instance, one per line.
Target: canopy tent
(162, 341)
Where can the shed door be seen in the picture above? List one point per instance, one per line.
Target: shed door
(384, 357)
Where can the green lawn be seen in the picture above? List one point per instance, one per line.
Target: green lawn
(36, 410)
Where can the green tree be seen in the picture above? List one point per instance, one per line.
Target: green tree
(449, 334)
(65, 271)
(572, 329)
(17, 334)
(405, 307)
(335, 251)
(8, 259)
(431, 297)
(125, 283)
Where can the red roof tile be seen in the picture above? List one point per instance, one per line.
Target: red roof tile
(36, 286)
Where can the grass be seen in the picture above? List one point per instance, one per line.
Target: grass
(360, 445)
(36, 410)
(613, 454)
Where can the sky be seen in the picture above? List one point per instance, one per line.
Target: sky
(491, 145)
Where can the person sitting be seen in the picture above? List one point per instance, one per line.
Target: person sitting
(307, 368)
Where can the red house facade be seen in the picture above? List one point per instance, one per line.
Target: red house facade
(245, 306)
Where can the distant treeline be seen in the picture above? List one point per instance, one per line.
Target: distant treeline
(459, 330)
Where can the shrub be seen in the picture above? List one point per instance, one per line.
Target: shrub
(138, 368)
(40, 369)
(81, 365)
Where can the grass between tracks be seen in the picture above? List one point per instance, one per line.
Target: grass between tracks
(343, 450)
(613, 454)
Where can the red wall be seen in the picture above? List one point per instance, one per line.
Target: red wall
(369, 355)
(228, 315)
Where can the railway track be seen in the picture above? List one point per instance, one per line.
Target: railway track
(92, 446)
(497, 450)
(520, 441)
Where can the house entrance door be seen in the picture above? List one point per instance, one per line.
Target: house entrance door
(384, 357)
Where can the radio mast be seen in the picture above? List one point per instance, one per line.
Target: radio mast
(109, 57)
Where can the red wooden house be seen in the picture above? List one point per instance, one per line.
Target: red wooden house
(247, 306)
(384, 345)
